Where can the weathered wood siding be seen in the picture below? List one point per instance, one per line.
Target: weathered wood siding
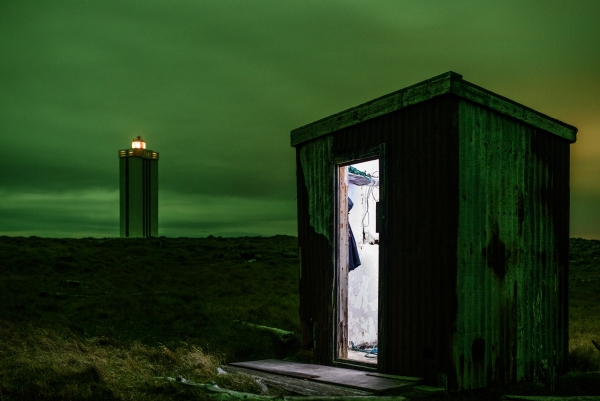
(315, 193)
(512, 250)
(420, 244)
(419, 266)
(474, 243)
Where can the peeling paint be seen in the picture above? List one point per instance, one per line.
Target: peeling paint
(316, 161)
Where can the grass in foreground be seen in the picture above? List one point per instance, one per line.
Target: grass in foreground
(110, 319)
(102, 318)
(40, 364)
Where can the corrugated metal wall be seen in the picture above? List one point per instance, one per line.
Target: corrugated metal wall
(512, 260)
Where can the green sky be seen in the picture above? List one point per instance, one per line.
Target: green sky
(217, 86)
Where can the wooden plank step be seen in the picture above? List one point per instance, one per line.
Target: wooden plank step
(298, 386)
(326, 374)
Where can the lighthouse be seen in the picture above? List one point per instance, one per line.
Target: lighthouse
(138, 171)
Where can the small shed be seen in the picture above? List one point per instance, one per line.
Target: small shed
(461, 221)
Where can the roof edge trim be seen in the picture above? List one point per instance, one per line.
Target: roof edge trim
(503, 105)
(449, 82)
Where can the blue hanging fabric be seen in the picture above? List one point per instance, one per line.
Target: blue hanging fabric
(353, 258)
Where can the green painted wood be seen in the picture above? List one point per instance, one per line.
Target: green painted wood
(503, 105)
(513, 210)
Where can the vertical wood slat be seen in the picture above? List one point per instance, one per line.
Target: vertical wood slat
(342, 264)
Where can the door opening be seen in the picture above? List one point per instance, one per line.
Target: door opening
(358, 262)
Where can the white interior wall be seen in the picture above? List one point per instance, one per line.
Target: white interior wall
(363, 282)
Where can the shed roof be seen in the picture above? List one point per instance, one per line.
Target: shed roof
(449, 82)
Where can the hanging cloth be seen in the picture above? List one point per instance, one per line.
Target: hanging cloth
(353, 258)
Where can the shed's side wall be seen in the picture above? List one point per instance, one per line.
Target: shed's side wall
(512, 250)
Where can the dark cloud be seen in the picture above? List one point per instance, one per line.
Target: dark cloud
(216, 87)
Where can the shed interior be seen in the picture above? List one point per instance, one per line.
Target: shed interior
(359, 182)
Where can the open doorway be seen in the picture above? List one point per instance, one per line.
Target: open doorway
(358, 262)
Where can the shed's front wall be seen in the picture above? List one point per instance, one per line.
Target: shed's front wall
(512, 316)
(418, 261)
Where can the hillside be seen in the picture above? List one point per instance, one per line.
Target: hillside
(73, 311)
(156, 291)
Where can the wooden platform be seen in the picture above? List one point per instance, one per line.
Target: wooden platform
(298, 386)
(350, 378)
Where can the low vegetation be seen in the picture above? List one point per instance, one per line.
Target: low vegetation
(114, 318)
(584, 305)
(122, 319)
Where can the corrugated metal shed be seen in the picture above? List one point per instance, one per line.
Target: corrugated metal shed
(474, 233)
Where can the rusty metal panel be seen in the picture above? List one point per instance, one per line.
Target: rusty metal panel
(511, 322)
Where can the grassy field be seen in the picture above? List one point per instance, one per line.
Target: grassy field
(101, 318)
(112, 319)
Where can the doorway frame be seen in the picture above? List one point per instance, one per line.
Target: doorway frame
(340, 252)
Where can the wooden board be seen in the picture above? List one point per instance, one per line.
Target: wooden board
(299, 386)
(326, 374)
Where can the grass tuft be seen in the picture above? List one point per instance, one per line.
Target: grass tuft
(40, 364)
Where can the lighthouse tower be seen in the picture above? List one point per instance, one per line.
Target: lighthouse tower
(138, 168)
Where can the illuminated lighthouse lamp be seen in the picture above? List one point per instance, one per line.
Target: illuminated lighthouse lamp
(138, 143)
